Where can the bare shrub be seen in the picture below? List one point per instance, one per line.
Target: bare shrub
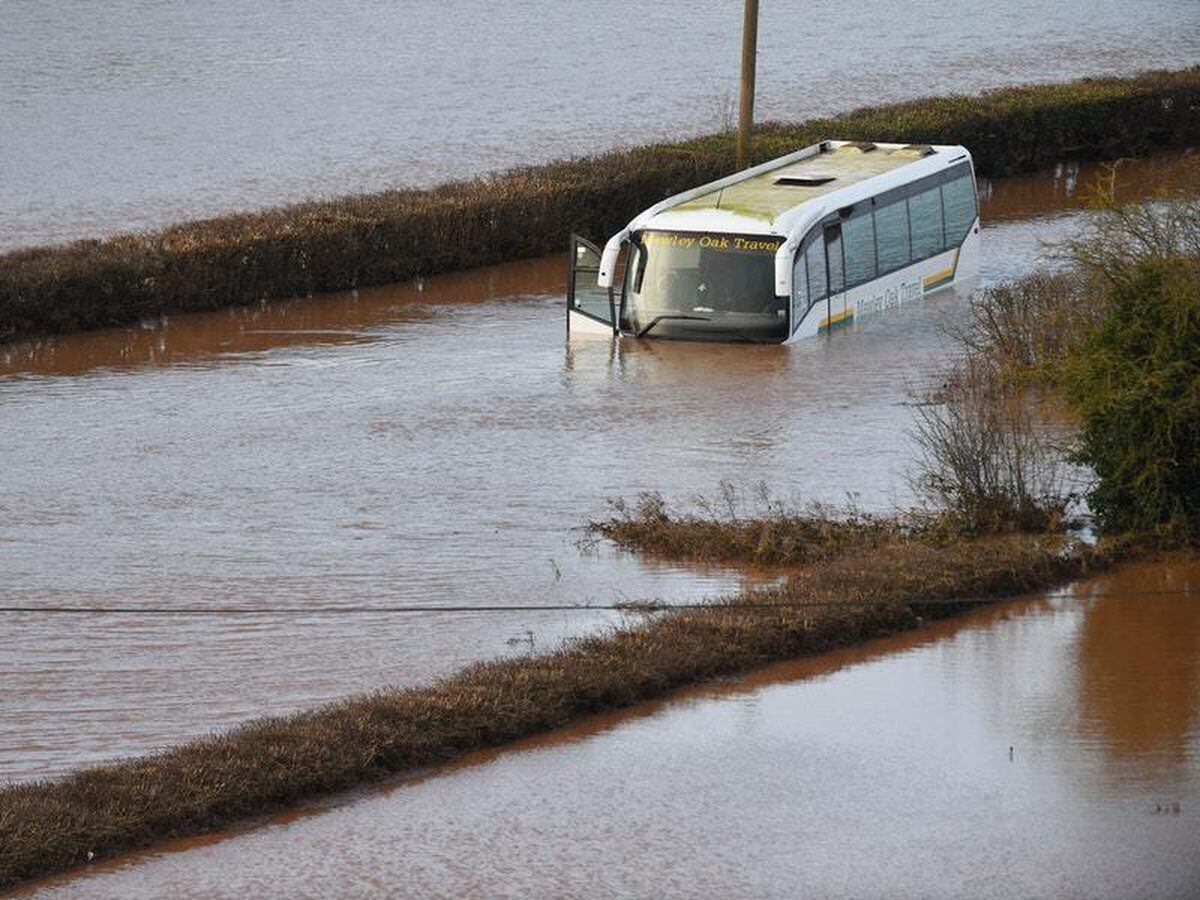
(983, 458)
(1120, 238)
(722, 108)
(1029, 326)
(1026, 327)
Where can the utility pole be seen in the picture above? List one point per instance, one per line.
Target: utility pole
(746, 98)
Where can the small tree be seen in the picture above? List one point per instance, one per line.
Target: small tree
(1136, 382)
(1135, 378)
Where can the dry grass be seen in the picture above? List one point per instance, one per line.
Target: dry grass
(724, 530)
(267, 764)
(398, 235)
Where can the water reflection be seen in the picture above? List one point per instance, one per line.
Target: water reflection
(1072, 186)
(224, 335)
(1138, 670)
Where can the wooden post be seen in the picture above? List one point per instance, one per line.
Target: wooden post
(746, 98)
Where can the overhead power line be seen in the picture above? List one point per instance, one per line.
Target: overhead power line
(636, 607)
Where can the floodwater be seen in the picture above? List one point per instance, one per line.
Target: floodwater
(118, 114)
(1048, 747)
(433, 444)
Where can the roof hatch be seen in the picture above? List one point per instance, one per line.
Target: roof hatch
(812, 180)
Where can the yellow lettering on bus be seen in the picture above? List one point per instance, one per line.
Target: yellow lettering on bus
(755, 246)
(711, 242)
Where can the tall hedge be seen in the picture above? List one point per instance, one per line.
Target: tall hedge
(1136, 383)
(397, 235)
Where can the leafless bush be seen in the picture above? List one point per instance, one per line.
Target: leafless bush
(1120, 237)
(982, 455)
(722, 108)
(1026, 327)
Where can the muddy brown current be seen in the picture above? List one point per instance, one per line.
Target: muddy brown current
(438, 443)
(427, 444)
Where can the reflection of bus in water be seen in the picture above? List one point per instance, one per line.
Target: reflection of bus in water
(797, 246)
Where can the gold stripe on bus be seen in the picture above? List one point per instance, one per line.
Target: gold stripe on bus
(940, 275)
(936, 279)
(844, 317)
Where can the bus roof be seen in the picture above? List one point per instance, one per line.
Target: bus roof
(754, 202)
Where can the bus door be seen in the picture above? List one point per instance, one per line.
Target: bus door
(591, 309)
(835, 274)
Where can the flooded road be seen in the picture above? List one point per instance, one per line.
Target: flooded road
(432, 444)
(1040, 748)
(227, 105)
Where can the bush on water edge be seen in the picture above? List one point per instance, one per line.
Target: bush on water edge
(1134, 376)
(1117, 333)
(402, 234)
(1136, 384)
(266, 764)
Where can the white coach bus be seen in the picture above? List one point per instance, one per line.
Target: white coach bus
(827, 235)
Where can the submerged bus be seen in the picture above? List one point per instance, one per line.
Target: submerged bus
(827, 235)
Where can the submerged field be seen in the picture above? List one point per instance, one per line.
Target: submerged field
(1001, 529)
(841, 579)
(266, 764)
(393, 236)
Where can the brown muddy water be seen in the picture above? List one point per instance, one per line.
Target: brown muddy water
(1048, 747)
(433, 444)
(119, 114)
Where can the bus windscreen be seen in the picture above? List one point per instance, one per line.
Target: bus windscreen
(697, 286)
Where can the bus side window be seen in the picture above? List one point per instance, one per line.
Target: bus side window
(958, 203)
(858, 244)
(925, 220)
(891, 235)
(837, 263)
(815, 257)
(799, 287)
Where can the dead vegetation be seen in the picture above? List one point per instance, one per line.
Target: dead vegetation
(1024, 328)
(984, 458)
(733, 528)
